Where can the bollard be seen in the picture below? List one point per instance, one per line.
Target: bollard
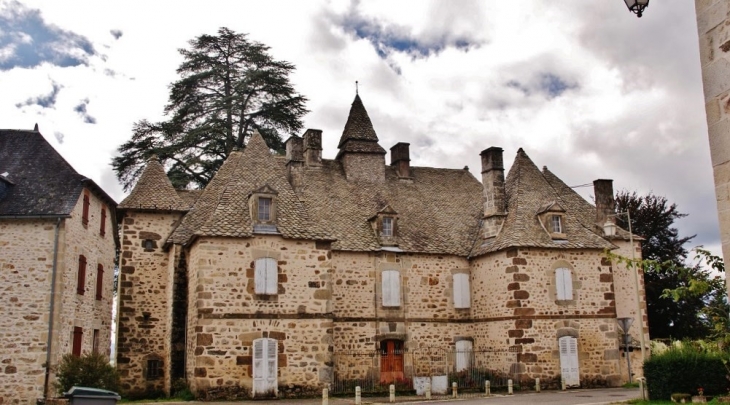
(325, 396)
(537, 385)
(562, 384)
(392, 393)
(487, 387)
(641, 387)
(454, 389)
(509, 387)
(428, 390)
(358, 395)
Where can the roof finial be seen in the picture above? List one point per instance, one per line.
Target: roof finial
(36, 127)
(356, 89)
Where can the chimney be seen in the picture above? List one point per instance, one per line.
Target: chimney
(493, 181)
(605, 205)
(400, 158)
(294, 147)
(313, 147)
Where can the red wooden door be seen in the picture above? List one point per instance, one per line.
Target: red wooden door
(391, 361)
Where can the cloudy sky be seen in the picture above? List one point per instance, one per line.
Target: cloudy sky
(585, 87)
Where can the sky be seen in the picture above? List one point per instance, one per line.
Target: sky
(584, 87)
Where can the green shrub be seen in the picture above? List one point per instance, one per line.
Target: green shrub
(181, 390)
(90, 370)
(686, 368)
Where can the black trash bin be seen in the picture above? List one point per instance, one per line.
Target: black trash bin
(91, 396)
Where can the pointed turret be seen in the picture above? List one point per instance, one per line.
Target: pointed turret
(154, 191)
(361, 155)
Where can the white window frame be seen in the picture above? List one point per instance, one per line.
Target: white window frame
(265, 367)
(462, 292)
(463, 350)
(264, 209)
(390, 282)
(563, 284)
(387, 226)
(556, 224)
(266, 276)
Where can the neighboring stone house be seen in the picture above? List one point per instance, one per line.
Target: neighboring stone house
(58, 240)
(285, 272)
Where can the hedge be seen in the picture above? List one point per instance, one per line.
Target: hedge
(684, 369)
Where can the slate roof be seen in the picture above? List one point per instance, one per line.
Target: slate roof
(359, 134)
(154, 191)
(222, 209)
(39, 181)
(528, 192)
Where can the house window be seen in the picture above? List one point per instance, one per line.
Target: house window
(266, 276)
(464, 353)
(264, 209)
(85, 212)
(102, 225)
(81, 276)
(556, 225)
(563, 284)
(391, 288)
(387, 226)
(77, 339)
(154, 369)
(99, 281)
(95, 342)
(265, 364)
(462, 295)
(148, 244)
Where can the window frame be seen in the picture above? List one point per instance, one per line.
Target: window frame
(266, 276)
(85, 209)
(264, 210)
(95, 341)
(463, 353)
(390, 288)
(387, 230)
(81, 276)
(102, 224)
(564, 284)
(77, 341)
(99, 281)
(462, 290)
(153, 370)
(556, 220)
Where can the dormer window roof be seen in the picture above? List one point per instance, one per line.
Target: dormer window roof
(385, 226)
(263, 205)
(552, 218)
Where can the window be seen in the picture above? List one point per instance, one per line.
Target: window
(391, 288)
(265, 363)
(78, 338)
(81, 277)
(264, 209)
(95, 342)
(563, 284)
(569, 363)
(148, 244)
(154, 369)
(85, 212)
(387, 226)
(265, 276)
(102, 225)
(462, 296)
(464, 350)
(556, 225)
(99, 281)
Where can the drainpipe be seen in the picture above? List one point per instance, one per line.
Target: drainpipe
(49, 343)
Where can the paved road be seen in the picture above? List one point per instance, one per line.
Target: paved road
(570, 397)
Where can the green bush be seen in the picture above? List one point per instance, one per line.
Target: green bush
(686, 368)
(90, 370)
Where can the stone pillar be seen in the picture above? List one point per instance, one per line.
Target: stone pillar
(712, 27)
(313, 148)
(495, 198)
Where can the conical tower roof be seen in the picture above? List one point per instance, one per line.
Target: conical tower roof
(154, 191)
(359, 135)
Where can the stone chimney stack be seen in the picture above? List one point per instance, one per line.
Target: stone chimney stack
(605, 204)
(294, 146)
(401, 159)
(313, 147)
(493, 181)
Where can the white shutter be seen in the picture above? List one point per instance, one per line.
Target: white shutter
(462, 296)
(564, 284)
(259, 277)
(463, 354)
(265, 365)
(271, 365)
(391, 288)
(569, 368)
(271, 276)
(259, 383)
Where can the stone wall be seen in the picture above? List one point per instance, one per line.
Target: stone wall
(225, 315)
(26, 266)
(146, 291)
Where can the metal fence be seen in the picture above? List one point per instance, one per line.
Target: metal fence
(410, 371)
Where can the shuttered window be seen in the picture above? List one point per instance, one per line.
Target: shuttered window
(464, 351)
(265, 276)
(462, 294)
(78, 338)
(95, 342)
(569, 366)
(99, 281)
(81, 276)
(265, 367)
(391, 288)
(564, 284)
(102, 225)
(85, 209)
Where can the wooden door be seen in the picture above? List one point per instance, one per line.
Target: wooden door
(265, 368)
(569, 368)
(391, 361)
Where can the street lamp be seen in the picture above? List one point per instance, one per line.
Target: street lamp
(637, 6)
(625, 324)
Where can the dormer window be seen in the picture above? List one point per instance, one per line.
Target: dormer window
(552, 219)
(262, 204)
(387, 227)
(264, 209)
(556, 224)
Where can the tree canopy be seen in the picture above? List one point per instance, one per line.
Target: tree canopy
(229, 86)
(652, 217)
